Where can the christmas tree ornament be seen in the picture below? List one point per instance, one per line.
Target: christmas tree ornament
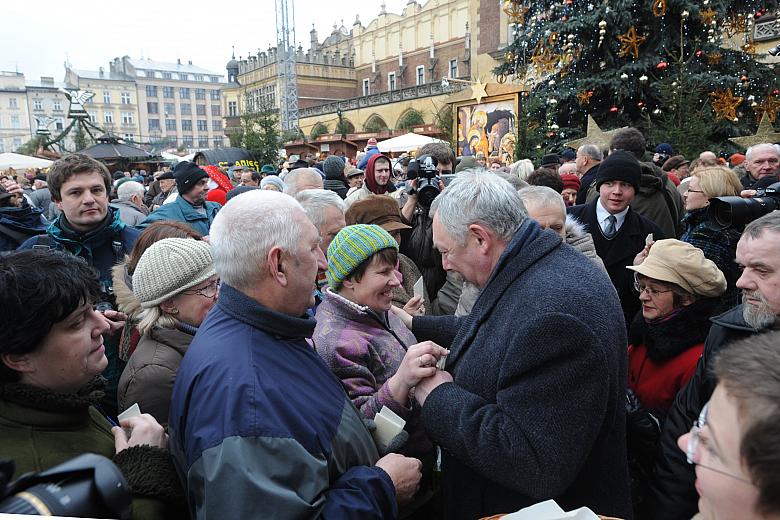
(684, 15)
(624, 76)
(501, 78)
(643, 79)
(724, 104)
(714, 58)
(478, 90)
(602, 31)
(554, 126)
(707, 16)
(552, 102)
(662, 65)
(630, 42)
(659, 8)
(749, 48)
(602, 65)
(516, 11)
(768, 108)
(657, 112)
(584, 97)
(613, 109)
(544, 59)
(734, 23)
(551, 83)
(764, 134)
(594, 135)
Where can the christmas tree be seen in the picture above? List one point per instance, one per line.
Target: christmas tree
(680, 71)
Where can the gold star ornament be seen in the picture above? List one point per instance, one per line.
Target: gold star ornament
(724, 104)
(707, 16)
(630, 42)
(768, 107)
(544, 60)
(764, 134)
(478, 91)
(594, 135)
(516, 11)
(584, 97)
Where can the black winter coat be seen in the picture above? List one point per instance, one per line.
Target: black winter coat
(672, 495)
(536, 410)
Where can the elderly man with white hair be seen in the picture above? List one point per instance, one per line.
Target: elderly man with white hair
(761, 160)
(302, 179)
(259, 427)
(325, 209)
(130, 203)
(531, 404)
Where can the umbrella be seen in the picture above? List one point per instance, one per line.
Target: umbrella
(18, 161)
(406, 143)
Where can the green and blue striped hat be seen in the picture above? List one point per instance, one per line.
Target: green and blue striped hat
(352, 246)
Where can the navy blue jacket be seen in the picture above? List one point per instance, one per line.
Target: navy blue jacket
(260, 427)
(182, 211)
(536, 410)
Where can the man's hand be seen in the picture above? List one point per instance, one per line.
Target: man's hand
(142, 430)
(426, 386)
(404, 316)
(405, 472)
(414, 307)
(115, 319)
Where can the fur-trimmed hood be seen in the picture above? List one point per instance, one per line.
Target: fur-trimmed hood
(578, 238)
(125, 299)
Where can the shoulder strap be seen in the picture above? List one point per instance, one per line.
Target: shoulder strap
(42, 242)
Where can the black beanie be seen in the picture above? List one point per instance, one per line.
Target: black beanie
(187, 175)
(620, 166)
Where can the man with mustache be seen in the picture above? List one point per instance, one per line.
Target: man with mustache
(672, 493)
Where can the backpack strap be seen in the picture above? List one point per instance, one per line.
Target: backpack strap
(42, 242)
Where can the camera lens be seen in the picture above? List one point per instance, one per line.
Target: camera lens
(730, 211)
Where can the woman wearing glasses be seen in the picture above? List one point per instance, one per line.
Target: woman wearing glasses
(719, 245)
(176, 285)
(678, 289)
(735, 444)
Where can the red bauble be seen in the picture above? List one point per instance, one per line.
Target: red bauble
(662, 65)
(776, 92)
(698, 54)
(613, 109)
(743, 78)
(640, 104)
(550, 134)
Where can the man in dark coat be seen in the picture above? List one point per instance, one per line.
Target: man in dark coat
(618, 232)
(533, 408)
(761, 160)
(589, 157)
(672, 492)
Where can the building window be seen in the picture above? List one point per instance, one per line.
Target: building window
(216, 125)
(106, 97)
(93, 117)
(203, 142)
(151, 91)
(127, 118)
(185, 109)
(59, 124)
(13, 103)
(198, 77)
(17, 142)
(184, 93)
(232, 109)
(214, 95)
(170, 125)
(216, 110)
(108, 117)
(200, 110)
(37, 104)
(186, 125)
(56, 106)
(170, 109)
(168, 92)
(167, 75)
(454, 68)
(203, 125)
(200, 93)
(184, 76)
(214, 79)
(391, 81)
(125, 98)
(15, 122)
(187, 141)
(152, 108)
(217, 142)
(129, 137)
(2, 145)
(154, 125)
(420, 75)
(366, 87)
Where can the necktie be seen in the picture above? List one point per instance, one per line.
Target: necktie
(611, 228)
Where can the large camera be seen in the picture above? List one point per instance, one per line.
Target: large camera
(736, 211)
(423, 169)
(87, 486)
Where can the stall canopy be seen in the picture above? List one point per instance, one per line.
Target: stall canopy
(108, 147)
(226, 157)
(18, 161)
(406, 143)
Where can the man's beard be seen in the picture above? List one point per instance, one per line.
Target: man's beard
(760, 316)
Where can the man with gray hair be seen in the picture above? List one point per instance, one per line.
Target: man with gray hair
(325, 209)
(302, 179)
(130, 203)
(589, 157)
(761, 160)
(258, 424)
(531, 404)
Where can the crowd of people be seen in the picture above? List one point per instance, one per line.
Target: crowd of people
(584, 331)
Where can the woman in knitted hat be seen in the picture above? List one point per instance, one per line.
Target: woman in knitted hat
(176, 285)
(376, 357)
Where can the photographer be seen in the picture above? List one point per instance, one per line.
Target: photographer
(417, 243)
(50, 362)
(92, 230)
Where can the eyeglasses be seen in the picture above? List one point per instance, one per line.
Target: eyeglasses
(653, 293)
(209, 291)
(694, 440)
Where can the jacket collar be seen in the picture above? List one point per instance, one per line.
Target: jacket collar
(177, 339)
(188, 210)
(246, 310)
(31, 405)
(732, 319)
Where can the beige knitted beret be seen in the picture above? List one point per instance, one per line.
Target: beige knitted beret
(170, 266)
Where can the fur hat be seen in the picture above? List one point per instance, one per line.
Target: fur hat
(351, 247)
(620, 166)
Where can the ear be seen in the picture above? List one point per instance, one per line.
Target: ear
(58, 203)
(277, 264)
(348, 284)
(18, 362)
(687, 300)
(168, 306)
(481, 235)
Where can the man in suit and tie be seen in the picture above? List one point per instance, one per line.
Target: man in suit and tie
(618, 232)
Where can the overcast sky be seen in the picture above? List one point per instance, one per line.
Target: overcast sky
(36, 38)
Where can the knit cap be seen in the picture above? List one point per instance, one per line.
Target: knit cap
(187, 175)
(352, 246)
(274, 180)
(170, 266)
(571, 181)
(333, 167)
(620, 166)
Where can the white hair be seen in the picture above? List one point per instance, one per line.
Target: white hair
(761, 146)
(522, 169)
(542, 196)
(247, 228)
(479, 198)
(297, 176)
(592, 151)
(568, 167)
(127, 189)
(315, 202)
